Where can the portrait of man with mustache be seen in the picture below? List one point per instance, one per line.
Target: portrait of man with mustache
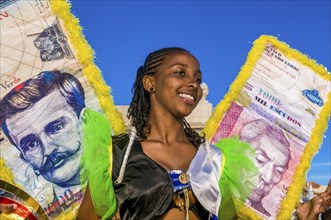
(41, 118)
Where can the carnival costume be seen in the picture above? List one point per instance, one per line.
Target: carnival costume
(122, 177)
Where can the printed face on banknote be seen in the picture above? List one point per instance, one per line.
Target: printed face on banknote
(272, 158)
(48, 136)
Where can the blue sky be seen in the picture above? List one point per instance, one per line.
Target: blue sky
(219, 33)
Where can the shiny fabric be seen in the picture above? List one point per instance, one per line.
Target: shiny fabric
(146, 191)
(205, 175)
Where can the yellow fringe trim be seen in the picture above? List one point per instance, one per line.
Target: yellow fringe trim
(70, 213)
(5, 172)
(245, 212)
(295, 189)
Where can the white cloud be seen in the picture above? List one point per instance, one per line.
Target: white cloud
(322, 164)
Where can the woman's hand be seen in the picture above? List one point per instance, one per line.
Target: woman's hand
(311, 209)
(7, 207)
(326, 196)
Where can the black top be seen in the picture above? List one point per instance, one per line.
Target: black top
(146, 191)
(143, 182)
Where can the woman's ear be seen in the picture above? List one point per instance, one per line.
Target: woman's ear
(148, 82)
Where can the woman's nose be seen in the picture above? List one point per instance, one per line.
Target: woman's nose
(193, 82)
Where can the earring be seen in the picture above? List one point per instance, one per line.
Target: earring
(151, 89)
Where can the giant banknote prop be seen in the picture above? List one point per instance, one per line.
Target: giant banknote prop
(48, 80)
(280, 104)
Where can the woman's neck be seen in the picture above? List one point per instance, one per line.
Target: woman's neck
(166, 130)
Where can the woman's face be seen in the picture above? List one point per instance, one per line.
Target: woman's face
(177, 85)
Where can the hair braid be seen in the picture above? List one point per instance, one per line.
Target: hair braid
(192, 135)
(139, 107)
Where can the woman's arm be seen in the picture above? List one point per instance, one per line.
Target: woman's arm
(87, 210)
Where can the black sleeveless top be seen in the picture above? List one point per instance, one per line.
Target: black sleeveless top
(146, 191)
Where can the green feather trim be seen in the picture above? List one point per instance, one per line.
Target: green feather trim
(97, 160)
(238, 157)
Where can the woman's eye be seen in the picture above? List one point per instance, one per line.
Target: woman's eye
(180, 73)
(199, 80)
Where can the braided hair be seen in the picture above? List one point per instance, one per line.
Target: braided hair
(139, 108)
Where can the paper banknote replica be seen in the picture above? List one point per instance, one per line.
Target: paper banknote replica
(48, 80)
(280, 105)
